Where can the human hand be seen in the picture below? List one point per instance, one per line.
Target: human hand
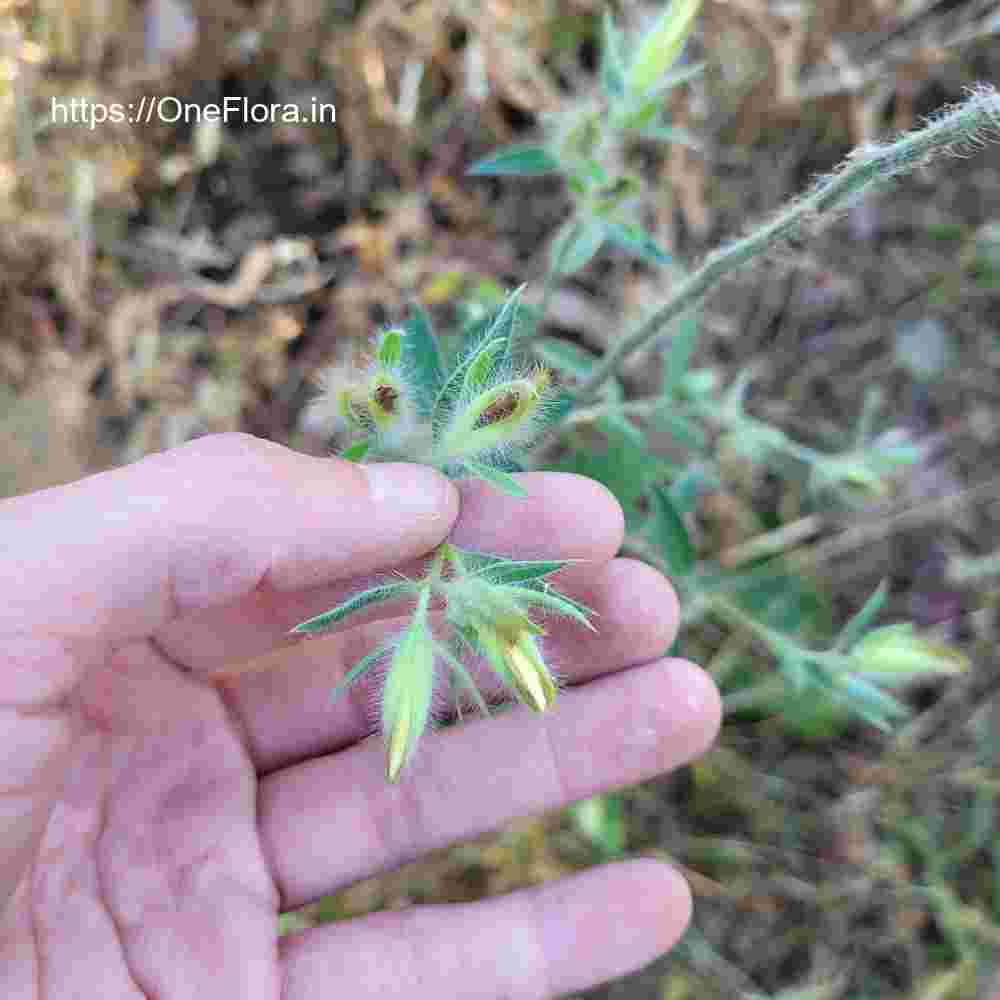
(156, 820)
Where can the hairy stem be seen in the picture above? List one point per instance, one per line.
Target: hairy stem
(964, 124)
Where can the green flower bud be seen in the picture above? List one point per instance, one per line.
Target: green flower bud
(491, 617)
(385, 400)
(496, 417)
(352, 407)
(406, 698)
(898, 653)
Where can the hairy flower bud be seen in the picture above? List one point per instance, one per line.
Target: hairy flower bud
(505, 635)
(406, 698)
(498, 416)
(896, 653)
(385, 400)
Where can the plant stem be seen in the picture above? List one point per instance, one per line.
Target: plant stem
(520, 342)
(777, 642)
(964, 124)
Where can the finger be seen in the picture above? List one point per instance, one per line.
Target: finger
(118, 554)
(472, 778)
(562, 517)
(287, 713)
(534, 943)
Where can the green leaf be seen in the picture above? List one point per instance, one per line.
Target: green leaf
(497, 478)
(677, 360)
(555, 603)
(357, 671)
(479, 371)
(622, 467)
(868, 702)
(612, 422)
(682, 430)
(391, 348)
(636, 241)
(356, 451)
(784, 599)
(374, 595)
(670, 535)
(504, 321)
(421, 358)
(464, 680)
(856, 626)
(661, 46)
(601, 820)
(691, 485)
(481, 339)
(683, 74)
(575, 245)
(518, 571)
(612, 58)
(609, 198)
(522, 160)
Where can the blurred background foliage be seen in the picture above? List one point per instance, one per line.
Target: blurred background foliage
(159, 281)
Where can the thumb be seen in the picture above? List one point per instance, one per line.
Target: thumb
(117, 555)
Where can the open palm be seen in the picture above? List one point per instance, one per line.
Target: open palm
(174, 775)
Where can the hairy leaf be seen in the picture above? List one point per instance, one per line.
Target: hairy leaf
(497, 478)
(356, 451)
(636, 241)
(421, 358)
(519, 571)
(523, 160)
(374, 595)
(669, 534)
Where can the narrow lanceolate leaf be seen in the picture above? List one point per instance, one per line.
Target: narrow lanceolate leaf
(677, 361)
(612, 58)
(507, 314)
(503, 481)
(391, 348)
(375, 595)
(575, 245)
(636, 241)
(519, 571)
(546, 588)
(868, 701)
(493, 343)
(464, 679)
(669, 534)
(357, 671)
(525, 160)
(421, 359)
(660, 48)
(617, 423)
(480, 369)
(564, 356)
(356, 451)
(856, 626)
(555, 603)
